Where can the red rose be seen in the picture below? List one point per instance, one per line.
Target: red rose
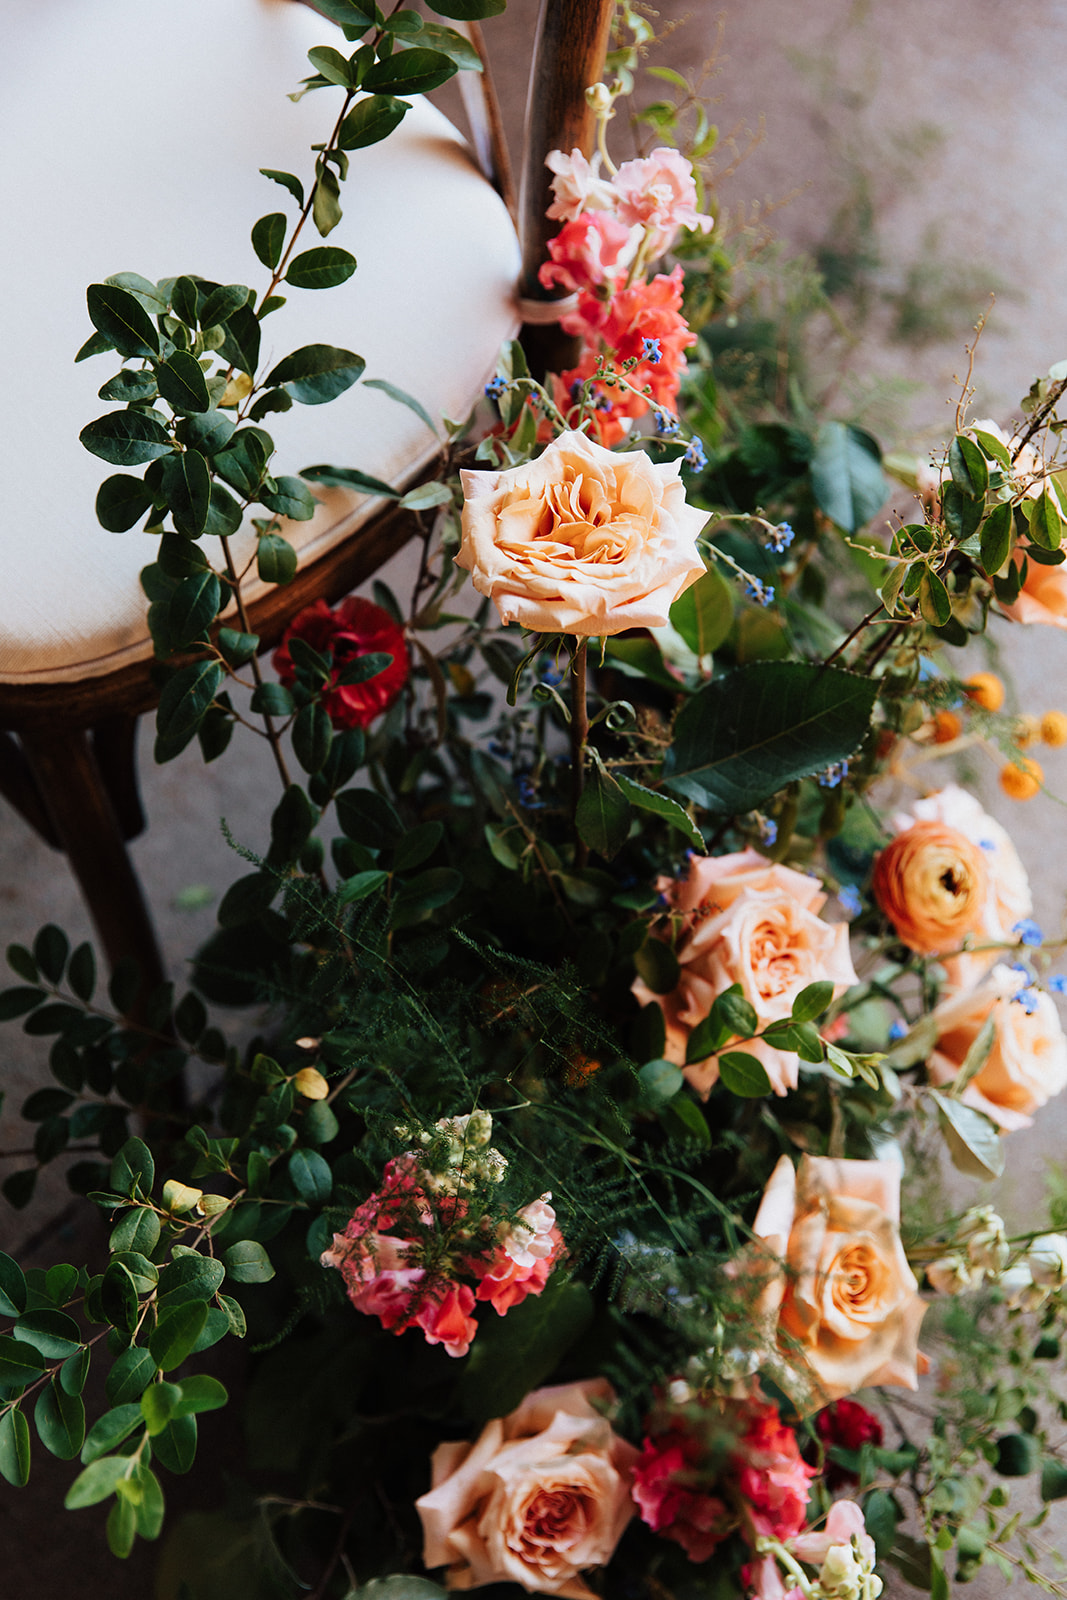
(357, 627)
(849, 1426)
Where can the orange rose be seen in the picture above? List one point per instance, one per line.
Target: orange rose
(751, 922)
(933, 884)
(844, 1299)
(582, 540)
(1028, 1062)
(537, 1498)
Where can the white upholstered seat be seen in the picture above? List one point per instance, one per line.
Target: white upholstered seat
(131, 134)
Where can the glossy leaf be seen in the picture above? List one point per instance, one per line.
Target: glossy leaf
(322, 267)
(60, 1421)
(268, 238)
(310, 1176)
(247, 1261)
(182, 383)
(289, 498)
(349, 13)
(275, 559)
(110, 1430)
(97, 1482)
(317, 373)
(743, 1074)
(414, 71)
(222, 303)
(15, 1448)
(846, 475)
(121, 501)
(995, 538)
(812, 1001)
(661, 805)
(133, 1170)
(175, 1334)
(126, 438)
(122, 320)
(20, 1363)
(12, 1287)
(1046, 526)
(968, 466)
(372, 120)
(52, 1334)
(183, 705)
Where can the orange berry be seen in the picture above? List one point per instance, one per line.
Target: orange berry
(947, 726)
(580, 1068)
(1022, 782)
(986, 690)
(1027, 731)
(1054, 727)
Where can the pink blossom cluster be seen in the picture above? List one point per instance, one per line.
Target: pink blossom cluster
(610, 229)
(406, 1252)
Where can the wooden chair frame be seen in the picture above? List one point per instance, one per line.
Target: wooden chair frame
(67, 749)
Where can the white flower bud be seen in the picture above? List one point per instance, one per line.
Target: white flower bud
(599, 99)
(1022, 1293)
(952, 1274)
(679, 1391)
(988, 1248)
(1047, 1260)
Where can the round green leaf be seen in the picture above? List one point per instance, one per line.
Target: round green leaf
(182, 383)
(323, 267)
(247, 1261)
(122, 320)
(268, 238)
(317, 373)
(121, 501)
(743, 1075)
(372, 120)
(126, 438)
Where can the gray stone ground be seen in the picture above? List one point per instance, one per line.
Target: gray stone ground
(918, 145)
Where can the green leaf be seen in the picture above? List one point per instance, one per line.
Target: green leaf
(317, 373)
(190, 1277)
(995, 538)
(97, 1482)
(1046, 527)
(289, 498)
(514, 1352)
(16, 1002)
(182, 383)
(126, 386)
(268, 238)
(20, 1363)
(223, 303)
(244, 461)
(138, 1230)
(467, 10)
(704, 614)
(934, 602)
(368, 818)
(158, 1404)
(336, 68)
(968, 467)
(286, 179)
(290, 826)
(973, 1141)
(175, 1447)
(128, 1377)
(326, 200)
(176, 1332)
(349, 478)
(1017, 1455)
(426, 495)
(1053, 1479)
(60, 1421)
(322, 267)
(962, 514)
(200, 1393)
(993, 448)
(684, 1121)
(658, 965)
(411, 72)
(122, 320)
(660, 1081)
(193, 606)
(881, 1515)
(52, 1334)
(743, 1074)
(276, 560)
(121, 501)
(224, 514)
(126, 438)
(846, 475)
(15, 1448)
(312, 733)
(603, 814)
(359, 886)
(428, 891)
(12, 1287)
(121, 1527)
(417, 846)
(449, 43)
(133, 1170)
(149, 1506)
(732, 1008)
(402, 397)
(812, 1001)
(709, 1035)
(118, 1297)
(349, 13)
(310, 1176)
(247, 1261)
(183, 705)
(372, 120)
(110, 1430)
(661, 805)
(752, 731)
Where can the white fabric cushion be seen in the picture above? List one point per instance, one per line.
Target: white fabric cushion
(132, 134)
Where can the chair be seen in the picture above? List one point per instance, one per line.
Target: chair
(100, 101)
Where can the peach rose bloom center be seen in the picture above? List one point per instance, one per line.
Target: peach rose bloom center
(583, 540)
(933, 885)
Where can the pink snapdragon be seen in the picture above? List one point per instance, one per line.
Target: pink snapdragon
(660, 195)
(577, 186)
(584, 253)
(523, 1259)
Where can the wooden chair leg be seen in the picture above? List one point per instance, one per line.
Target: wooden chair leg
(80, 808)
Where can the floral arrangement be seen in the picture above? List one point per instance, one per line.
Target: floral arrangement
(606, 985)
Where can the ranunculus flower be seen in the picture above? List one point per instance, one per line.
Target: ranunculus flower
(581, 540)
(584, 252)
(577, 187)
(539, 1497)
(1008, 899)
(665, 1490)
(933, 885)
(659, 193)
(357, 627)
(751, 922)
(844, 1301)
(1028, 1062)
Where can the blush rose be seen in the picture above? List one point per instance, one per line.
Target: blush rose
(1027, 1064)
(842, 1299)
(581, 540)
(752, 922)
(540, 1496)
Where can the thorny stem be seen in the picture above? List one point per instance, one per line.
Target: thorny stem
(579, 736)
(272, 732)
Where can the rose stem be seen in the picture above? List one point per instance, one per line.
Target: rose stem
(579, 735)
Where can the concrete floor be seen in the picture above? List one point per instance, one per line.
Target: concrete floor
(949, 120)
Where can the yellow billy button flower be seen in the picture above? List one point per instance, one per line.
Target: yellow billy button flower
(310, 1082)
(1022, 780)
(180, 1197)
(986, 690)
(1054, 728)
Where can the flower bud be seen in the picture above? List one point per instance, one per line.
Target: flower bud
(310, 1082)
(1020, 1290)
(1047, 1260)
(988, 1248)
(179, 1197)
(952, 1274)
(599, 99)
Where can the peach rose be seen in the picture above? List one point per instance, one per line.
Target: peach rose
(541, 1495)
(845, 1299)
(1028, 1062)
(582, 540)
(933, 885)
(752, 922)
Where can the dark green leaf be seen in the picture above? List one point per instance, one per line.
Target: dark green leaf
(349, 478)
(18, 1189)
(709, 1035)
(133, 1170)
(411, 72)
(186, 1278)
(15, 1448)
(122, 320)
(812, 1001)
(126, 438)
(60, 1421)
(187, 486)
(704, 614)
(176, 1332)
(657, 964)
(1053, 1479)
(310, 1176)
(52, 1334)
(183, 704)
(193, 606)
(372, 120)
(138, 1230)
(661, 805)
(996, 538)
(451, 44)
(244, 460)
(110, 1430)
(97, 1482)
(743, 1074)
(360, 885)
(247, 1261)
(240, 347)
(126, 387)
(222, 303)
(881, 1515)
(95, 345)
(973, 1141)
(467, 10)
(322, 267)
(934, 602)
(1046, 526)
(1017, 1455)
(209, 432)
(268, 238)
(368, 818)
(20, 1363)
(752, 731)
(238, 648)
(290, 826)
(603, 814)
(289, 498)
(120, 502)
(118, 1297)
(272, 700)
(276, 559)
(312, 732)
(82, 974)
(317, 373)
(326, 200)
(968, 467)
(417, 846)
(12, 1287)
(286, 179)
(846, 475)
(182, 383)
(175, 1447)
(353, 14)
(16, 1002)
(732, 1008)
